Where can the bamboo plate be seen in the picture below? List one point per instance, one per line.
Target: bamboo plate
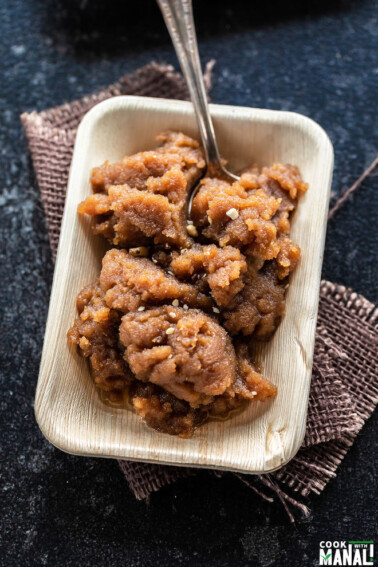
(263, 437)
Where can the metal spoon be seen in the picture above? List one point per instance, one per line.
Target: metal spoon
(178, 16)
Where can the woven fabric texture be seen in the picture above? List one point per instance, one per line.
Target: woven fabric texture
(344, 388)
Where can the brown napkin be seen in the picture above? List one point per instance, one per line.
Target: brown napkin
(343, 389)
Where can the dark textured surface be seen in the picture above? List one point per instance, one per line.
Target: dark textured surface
(317, 58)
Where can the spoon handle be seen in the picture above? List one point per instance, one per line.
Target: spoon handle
(178, 16)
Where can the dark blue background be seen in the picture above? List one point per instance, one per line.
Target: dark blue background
(317, 58)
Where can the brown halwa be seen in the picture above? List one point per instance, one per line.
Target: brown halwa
(177, 301)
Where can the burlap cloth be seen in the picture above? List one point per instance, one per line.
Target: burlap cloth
(343, 388)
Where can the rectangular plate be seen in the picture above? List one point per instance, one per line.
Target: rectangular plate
(266, 435)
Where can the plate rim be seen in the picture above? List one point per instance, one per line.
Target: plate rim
(49, 427)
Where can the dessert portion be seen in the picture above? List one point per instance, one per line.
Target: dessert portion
(178, 301)
(184, 351)
(96, 333)
(130, 283)
(252, 214)
(142, 198)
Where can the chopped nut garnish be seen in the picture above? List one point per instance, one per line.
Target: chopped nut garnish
(216, 310)
(172, 314)
(140, 251)
(185, 307)
(170, 331)
(232, 213)
(191, 229)
(175, 303)
(141, 308)
(84, 343)
(209, 220)
(254, 393)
